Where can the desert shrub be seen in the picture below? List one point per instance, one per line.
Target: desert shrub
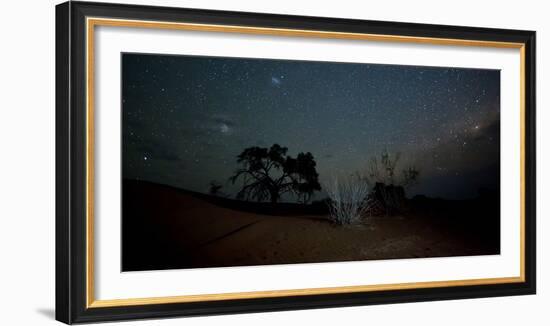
(390, 198)
(389, 186)
(214, 188)
(348, 199)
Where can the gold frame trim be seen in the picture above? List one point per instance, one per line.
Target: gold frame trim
(92, 22)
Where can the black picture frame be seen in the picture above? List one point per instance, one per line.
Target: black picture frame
(72, 299)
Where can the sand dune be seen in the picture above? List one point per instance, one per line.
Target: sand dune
(168, 228)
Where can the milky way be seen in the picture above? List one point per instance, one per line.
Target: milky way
(186, 118)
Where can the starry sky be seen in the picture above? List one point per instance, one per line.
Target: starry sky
(186, 118)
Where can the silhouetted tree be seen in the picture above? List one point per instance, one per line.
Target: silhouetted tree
(267, 174)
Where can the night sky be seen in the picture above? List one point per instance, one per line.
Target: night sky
(186, 118)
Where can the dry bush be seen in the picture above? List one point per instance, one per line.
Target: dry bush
(349, 200)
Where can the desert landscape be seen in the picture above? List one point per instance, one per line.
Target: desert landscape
(169, 228)
(258, 161)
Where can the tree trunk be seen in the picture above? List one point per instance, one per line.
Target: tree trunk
(274, 194)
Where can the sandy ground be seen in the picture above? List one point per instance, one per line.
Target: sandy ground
(168, 229)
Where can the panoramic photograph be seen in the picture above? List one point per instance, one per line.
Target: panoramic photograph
(246, 161)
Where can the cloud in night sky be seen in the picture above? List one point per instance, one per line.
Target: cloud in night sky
(186, 118)
(223, 123)
(276, 81)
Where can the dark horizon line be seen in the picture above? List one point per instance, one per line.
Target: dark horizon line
(205, 194)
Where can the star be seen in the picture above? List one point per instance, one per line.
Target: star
(350, 111)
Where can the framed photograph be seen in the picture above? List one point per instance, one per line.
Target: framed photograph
(212, 162)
